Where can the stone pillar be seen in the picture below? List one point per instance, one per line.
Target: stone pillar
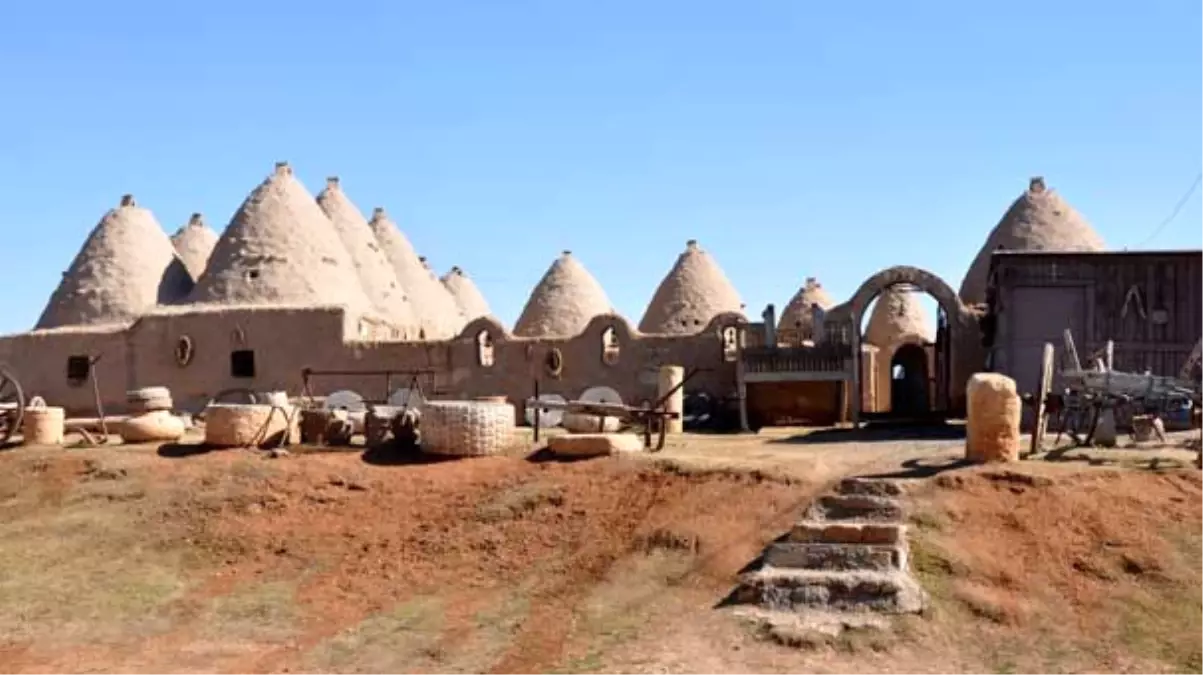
(671, 376)
(992, 427)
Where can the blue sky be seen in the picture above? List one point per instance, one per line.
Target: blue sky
(791, 138)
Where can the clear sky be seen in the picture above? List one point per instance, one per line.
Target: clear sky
(791, 138)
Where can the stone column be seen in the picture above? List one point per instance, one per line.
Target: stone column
(671, 376)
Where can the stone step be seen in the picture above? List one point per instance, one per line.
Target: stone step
(824, 556)
(791, 627)
(779, 589)
(809, 531)
(869, 486)
(856, 507)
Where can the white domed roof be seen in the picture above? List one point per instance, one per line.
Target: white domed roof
(694, 292)
(126, 266)
(563, 302)
(280, 248)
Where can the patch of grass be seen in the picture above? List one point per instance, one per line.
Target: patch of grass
(622, 605)
(514, 502)
(590, 662)
(86, 570)
(261, 612)
(404, 638)
(933, 521)
(1163, 627)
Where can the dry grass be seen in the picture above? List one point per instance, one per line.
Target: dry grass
(118, 559)
(1096, 571)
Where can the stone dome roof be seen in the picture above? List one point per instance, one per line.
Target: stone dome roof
(280, 248)
(563, 302)
(796, 318)
(194, 244)
(375, 272)
(1039, 220)
(435, 311)
(126, 266)
(695, 291)
(898, 313)
(469, 298)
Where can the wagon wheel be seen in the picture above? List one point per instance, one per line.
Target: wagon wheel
(1040, 425)
(12, 404)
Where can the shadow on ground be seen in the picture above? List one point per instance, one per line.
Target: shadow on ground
(389, 455)
(181, 450)
(922, 468)
(1093, 457)
(879, 433)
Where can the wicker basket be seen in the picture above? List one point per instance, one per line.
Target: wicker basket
(148, 399)
(159, 426)
(43, 425)
(467, 428)
(240, 425)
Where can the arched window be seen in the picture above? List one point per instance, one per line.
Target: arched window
(610, 346)
(730, 338)
(484, 348)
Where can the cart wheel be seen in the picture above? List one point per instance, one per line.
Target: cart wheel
(12, 398)
(1040, 424)
(657, 426)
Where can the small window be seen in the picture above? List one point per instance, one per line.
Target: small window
(730, 337)
(484, 348)
(610, 346)
(553, 363)
(78, 369)
(242, 363)
(183, 351)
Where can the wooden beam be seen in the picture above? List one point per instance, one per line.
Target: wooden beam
(798, 376)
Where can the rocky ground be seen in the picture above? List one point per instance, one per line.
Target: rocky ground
(168, 559)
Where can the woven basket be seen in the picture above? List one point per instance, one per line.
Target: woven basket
(148, 399)
(467, 428)
(240, 425)
(152, 427)
(43, 426)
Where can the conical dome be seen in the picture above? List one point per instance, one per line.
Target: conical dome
(281, 249)
(695, 291)
(564, 301)
(194, 244)
(435, 311)
(371, 264)
(896, 314)
(796, 321)
(467, 296)
(126, 267)
(1039, 220)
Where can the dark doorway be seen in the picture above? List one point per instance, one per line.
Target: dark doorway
(909, 380)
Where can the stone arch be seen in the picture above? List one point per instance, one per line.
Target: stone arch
(843, 324)
(902, 274)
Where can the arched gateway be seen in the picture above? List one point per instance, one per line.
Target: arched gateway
(842, 325)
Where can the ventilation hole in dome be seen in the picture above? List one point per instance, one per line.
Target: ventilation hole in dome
(252, 274)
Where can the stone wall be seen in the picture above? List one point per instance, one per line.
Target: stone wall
(483, 360)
